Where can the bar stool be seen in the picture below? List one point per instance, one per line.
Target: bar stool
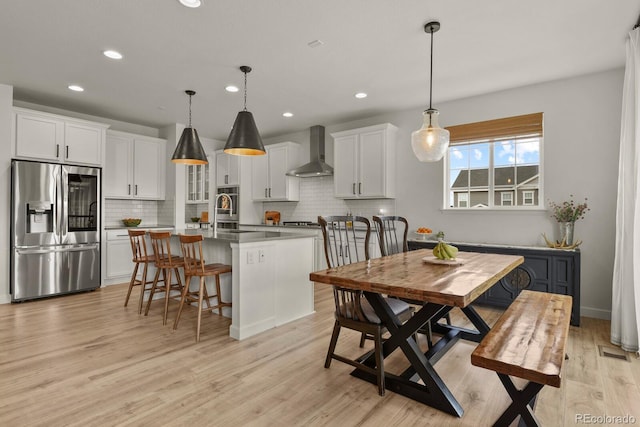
(167, 264)
(139, 249)
(191, 247)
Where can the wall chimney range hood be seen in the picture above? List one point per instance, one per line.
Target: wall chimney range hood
(317, 166)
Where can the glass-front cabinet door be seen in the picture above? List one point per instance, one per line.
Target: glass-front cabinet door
(197, 183)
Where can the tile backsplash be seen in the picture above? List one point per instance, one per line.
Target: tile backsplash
(316, 198)
(116, 210)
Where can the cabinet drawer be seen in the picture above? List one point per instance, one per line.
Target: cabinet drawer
(122, 234)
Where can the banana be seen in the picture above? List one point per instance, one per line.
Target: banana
(436, 251)
(445, 251)
(452, 251)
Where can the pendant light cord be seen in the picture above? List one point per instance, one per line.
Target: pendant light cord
(189, 110)
(245, 91)
(431, 71)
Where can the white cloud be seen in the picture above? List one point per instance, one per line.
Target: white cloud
(456, 153)
(477, 154)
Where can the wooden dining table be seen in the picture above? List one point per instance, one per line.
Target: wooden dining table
(438, 288)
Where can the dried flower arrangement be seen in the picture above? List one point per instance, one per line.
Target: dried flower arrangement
(568, 211)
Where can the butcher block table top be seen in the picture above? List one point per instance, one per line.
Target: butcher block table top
(406, 275)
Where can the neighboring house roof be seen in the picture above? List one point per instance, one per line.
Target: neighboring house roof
(503, 176)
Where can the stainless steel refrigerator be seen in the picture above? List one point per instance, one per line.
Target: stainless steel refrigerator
(55, 229)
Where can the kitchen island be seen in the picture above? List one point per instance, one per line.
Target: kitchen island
(269, 284)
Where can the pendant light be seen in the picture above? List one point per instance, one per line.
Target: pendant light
(430, 142)
(189, 150)
(244, 139)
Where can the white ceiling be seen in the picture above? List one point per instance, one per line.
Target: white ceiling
(375, 46)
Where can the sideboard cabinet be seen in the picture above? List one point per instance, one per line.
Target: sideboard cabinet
(545, 270)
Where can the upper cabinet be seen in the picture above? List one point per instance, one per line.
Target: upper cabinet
(364, 162)
(54, 138)
(198, 182)
(134, 167)
(227, 169)
(268, 173)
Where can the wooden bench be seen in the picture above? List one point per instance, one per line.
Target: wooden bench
(528, 342)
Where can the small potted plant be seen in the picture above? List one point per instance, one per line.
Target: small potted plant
(567, 213)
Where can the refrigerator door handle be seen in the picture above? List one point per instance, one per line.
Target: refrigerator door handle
(50, 249)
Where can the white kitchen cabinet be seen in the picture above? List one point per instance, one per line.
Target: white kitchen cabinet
(268, 173)
(119, 256)
(364, 162)
(227, 169)
(198, 182)
(134, 167)
(54, 138)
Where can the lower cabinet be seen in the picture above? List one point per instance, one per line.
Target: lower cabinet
(118, 256)
(544, 270)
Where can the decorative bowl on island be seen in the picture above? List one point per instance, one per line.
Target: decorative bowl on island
(131, 222)
(195, 219)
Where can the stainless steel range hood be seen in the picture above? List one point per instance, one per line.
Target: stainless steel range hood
(317, 166)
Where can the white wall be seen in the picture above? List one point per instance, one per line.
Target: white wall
(6, 106)
(581, 139)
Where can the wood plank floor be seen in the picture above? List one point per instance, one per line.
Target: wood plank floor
(85, 360)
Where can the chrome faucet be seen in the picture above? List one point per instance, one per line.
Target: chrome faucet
(215, 211)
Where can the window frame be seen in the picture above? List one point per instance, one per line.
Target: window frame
(496, 135)
(524, 197)
(503, 198)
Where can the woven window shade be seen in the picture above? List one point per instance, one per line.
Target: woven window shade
(508, 127)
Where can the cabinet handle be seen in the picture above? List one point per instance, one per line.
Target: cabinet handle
(359, 188)
(67, 154)
(57, 150)
(269, 192)
(136, 190)
(129, 189)
(265, 193)
(226, 179)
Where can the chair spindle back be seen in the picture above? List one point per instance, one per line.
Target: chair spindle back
(392, 234)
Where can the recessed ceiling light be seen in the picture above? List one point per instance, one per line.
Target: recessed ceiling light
(112, 54)
(190, 3)
(287, 114)
(231, 88)
(76, 88)
(360, 95)
(315, 43)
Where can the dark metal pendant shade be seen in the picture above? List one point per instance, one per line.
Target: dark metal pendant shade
(189, 150)
(244, 139)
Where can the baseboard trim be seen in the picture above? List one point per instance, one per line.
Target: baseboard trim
(596, 313)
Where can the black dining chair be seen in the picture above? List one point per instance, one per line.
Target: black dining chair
(392, 234)
(346, 241)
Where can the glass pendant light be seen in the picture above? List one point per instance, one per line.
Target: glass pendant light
(430, 142)
(244, 139)
(189, 150)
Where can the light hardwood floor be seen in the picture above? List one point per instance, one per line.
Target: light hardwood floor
(85, 360)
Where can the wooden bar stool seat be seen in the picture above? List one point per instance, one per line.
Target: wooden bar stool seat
(140, 257)
(191, 247)
(167, 265)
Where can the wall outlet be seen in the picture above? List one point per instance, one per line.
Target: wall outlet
(251, 257)
(261, 255)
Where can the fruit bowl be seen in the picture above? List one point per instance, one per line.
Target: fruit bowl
(423, 233)
(195, 219)
(131, 222)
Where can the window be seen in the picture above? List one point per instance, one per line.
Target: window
(463, 200)
(495, 164)
(527, 198)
